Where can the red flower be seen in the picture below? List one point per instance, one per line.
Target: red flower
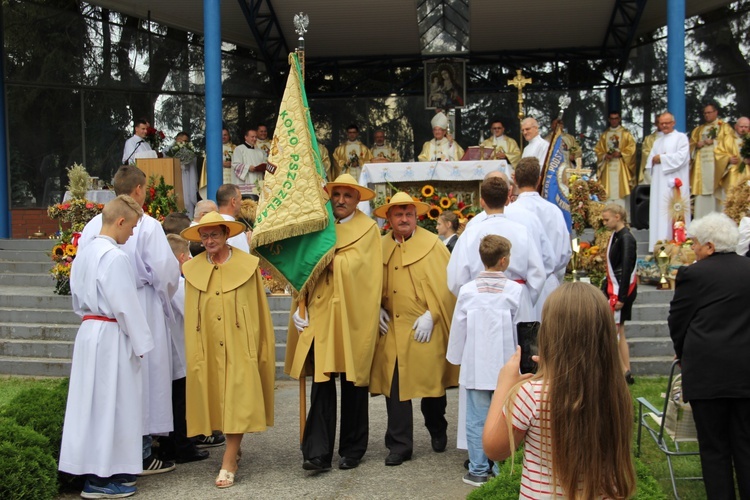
(677, 183)
(461, 205)
(65, 206)
(161, 134)
(152, 192)
(89, 205)
(150, 131)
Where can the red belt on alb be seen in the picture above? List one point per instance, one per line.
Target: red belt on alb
(99, 318)
(521, 282)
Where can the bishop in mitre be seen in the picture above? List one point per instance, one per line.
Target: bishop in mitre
(705, 172)
(615, 156)
(503, 147)
(442, 147)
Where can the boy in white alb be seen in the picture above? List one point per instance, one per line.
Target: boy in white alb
(482, 339)
(103, 419)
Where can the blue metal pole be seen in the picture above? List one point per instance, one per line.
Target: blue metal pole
(5, 227)
(212, 61)
(676, 62)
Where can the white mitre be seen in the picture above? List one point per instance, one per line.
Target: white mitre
(440, 120)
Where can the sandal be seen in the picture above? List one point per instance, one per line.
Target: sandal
(225, 479)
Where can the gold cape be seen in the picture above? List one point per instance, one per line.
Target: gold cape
(725, 134)
(732, 176)
(340, 158)
(512, 151)
(343, 309)
(646, 146)
(326, 160)
(415, 280)
(229, 347)
(626, 161)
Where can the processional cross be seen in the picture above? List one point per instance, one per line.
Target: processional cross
(519, 82)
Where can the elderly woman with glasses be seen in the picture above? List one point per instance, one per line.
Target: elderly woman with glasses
(229, 341)
(709, 322)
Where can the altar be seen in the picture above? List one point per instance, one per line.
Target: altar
(461, 178)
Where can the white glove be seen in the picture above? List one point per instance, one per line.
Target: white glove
(423, 327)
(299, 323)
(384, 320)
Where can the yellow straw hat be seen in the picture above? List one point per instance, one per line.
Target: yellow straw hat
(401, 198)
(347, 180)
(212, 219)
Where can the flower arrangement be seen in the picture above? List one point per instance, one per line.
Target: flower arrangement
(584, 198)
(63, 253)
(183, 151)
(160, 198)
(155, 138)
(737, 204)
(77, 212)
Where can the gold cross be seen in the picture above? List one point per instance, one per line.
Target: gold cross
(519, 81)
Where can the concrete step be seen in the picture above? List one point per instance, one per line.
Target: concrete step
(35, 367)
(649, 312)
(279, 334)
(281, 303)
(63, 317)
(42, 245)
(26, 255)
(25, 267)
(646, 329)
(650, 295)
(650, 347)
(33, 297)
(280, 318)
(26, 348)
(27, 279)
(39, 331)
(652, 365)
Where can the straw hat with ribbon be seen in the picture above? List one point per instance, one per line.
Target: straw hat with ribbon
(401, 198)
(212, 219)
(346, 180)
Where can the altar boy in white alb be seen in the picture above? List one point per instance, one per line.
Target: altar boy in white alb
(103, 419)
(157, 275)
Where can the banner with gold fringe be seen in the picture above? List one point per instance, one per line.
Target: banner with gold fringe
(294, 233)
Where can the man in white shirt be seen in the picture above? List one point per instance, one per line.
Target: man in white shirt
(537, 146)
(669, 167)
(229, 201)
(136, 144)
(248, 165)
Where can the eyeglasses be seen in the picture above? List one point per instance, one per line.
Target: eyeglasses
(211, 236)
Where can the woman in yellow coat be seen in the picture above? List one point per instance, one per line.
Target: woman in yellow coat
(229, 341)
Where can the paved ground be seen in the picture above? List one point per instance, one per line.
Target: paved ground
(271, 465)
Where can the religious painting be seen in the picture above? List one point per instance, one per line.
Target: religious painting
(444, 84)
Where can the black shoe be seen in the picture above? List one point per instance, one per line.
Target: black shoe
(210, 441)
(466, 464)
(439, 442)
(316, 464)
(193, 455)
(629, 378)
(153, 465)
(475, 480)
(396, 459)
(348, 463)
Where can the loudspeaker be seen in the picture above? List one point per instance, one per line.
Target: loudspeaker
(639, 204)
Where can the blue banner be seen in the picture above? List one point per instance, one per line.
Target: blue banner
(554, 189)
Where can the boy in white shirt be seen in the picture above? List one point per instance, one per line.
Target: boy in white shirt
(482, 339)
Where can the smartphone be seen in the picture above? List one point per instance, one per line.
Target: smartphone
(527, 334)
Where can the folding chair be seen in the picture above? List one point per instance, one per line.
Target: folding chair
(679, 430)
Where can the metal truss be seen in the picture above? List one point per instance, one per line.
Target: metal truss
(265, 27)
(618, 40)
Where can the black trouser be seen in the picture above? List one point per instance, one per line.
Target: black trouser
(177, 443)
(723, 427)
(320, 429)
(399, 437)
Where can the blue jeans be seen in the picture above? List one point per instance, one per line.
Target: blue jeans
(146, 445)
(477, 406)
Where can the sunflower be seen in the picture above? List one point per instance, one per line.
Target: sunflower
(445, 202)
(434, 212)
(427, 191)
(470, 216)
(70, 250)
(459, 214)
(58, 251)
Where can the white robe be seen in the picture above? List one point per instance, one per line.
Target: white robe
(537, 147)
(674, 153)
(190, 184)
(103, 418)
(244, 160)
(177, 331)
(157, 275)
(134, 147)
(239, 241)
(525, 260)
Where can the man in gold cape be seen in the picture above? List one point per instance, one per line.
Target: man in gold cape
(728, 158)
(705, 172)
(339, 333)
(615, 154)
(417, 308)
(503, 147)
(229, 342)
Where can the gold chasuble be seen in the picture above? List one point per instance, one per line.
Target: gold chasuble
(646, 145)
(705, 172)
(229, 347)
(723, 152)
(622, 169)
(415, 280)
(344, 333)
(349, 158)
(506, 145)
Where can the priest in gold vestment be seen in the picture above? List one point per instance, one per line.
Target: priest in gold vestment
(382, 152)
(615, 156)
(503, 147)
(351, 155)
(415, 321)
(705, 171)
(728, 157)
(338, 333)
(442, 147)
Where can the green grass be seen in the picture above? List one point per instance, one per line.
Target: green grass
(10, 386)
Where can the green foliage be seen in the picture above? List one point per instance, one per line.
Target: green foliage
(79, 181)
(506, 485)
(43, 410)
(27, 466)
(648, 487)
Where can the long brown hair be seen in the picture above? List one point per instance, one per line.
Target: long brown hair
(590, 429)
